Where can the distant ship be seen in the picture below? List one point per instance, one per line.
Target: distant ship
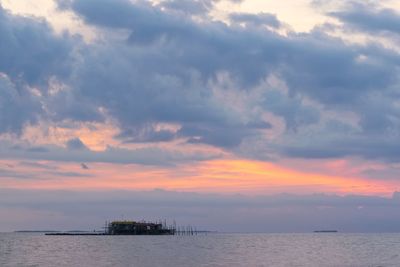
(326, 231)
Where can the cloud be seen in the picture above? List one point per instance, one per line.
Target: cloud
(6, 173)
(140, 86)
(37, 165)
(225, 136)
(193, 7)
(18, 107)
(152, 66)
(69, 174)
(260, 19)
(147, 134)
(30, 54)
(75, 144)
(38, 175)
(370, 18)
(155, 156)
(292, 109)
(316, 65)
(30, 51)
(368, 148)
(165, 89)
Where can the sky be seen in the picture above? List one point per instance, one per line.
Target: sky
(230, 115)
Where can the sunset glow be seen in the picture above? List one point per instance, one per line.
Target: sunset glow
(243, 100)
(219, 176)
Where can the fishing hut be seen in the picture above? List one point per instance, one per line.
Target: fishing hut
(138, 228)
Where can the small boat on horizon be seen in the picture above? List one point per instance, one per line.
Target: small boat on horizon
(325, 231)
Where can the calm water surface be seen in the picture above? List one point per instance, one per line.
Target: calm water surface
(21, 249)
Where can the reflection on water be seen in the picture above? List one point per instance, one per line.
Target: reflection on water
(23, 249)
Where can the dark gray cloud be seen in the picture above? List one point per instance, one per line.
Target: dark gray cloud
(315, 65)
(370, 18)
(75, 143)
(194, 7)
(279, 213)
(18, 107)
(71, 105)
(331, 72)
(147, 134)
(217, 135)
(154, 66)
(260, 19)
(167, 87)
(139, 85)
(359, 146)
(291, 109)
(30, 52)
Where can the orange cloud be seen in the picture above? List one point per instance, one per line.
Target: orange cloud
(220, 176)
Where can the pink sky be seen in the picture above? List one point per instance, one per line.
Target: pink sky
(230, 98)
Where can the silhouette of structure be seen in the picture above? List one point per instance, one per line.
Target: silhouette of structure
(138, 228)
(124, 227)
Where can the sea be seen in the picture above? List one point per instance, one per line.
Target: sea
(313, 249)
